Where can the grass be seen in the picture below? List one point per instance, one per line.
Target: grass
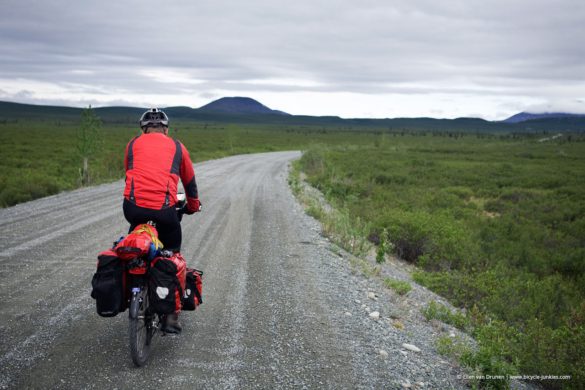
(399, 286)
(350, 234)
(494, 223)
(40, 157)
(442, 313)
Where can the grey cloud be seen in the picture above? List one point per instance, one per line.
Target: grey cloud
(498, 47)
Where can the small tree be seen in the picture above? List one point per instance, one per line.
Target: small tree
(384, 247)
(88, 140)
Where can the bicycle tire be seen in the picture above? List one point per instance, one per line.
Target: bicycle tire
(140, 328)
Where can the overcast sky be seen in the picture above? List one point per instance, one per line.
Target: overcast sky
(368, 58)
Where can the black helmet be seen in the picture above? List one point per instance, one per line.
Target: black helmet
(154, 117)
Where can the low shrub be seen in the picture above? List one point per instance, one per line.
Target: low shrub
(399, 286)
(435, 241)
(442, 313)
(313, 162)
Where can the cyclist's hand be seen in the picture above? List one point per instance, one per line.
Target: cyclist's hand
(198, 207)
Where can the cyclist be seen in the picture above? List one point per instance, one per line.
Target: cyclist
(154, 162)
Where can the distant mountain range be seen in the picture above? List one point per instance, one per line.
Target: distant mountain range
(245, 110)
(527, 116)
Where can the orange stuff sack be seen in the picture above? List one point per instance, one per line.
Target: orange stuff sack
(142, 240)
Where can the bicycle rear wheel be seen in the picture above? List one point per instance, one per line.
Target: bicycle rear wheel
(141, 328)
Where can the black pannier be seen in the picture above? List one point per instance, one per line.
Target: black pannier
(108, 285)
(163, 286)
(192, 295)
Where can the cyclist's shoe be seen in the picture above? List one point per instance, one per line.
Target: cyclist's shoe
(171, 324)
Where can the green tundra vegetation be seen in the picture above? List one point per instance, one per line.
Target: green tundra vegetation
(496, 224)
(494, 221)
(41, 157)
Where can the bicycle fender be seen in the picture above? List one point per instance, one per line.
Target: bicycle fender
(134, 303)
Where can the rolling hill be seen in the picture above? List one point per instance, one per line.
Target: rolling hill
(249, 111)
(238, 105)
(527, 116)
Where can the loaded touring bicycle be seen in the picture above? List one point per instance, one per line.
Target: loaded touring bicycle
(139, 275)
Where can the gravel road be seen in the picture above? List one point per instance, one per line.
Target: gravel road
(281, 310)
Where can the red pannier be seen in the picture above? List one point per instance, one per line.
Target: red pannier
(138, 242)
(193, 289)
(167, 283)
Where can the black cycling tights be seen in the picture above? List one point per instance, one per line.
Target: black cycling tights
(167, 223)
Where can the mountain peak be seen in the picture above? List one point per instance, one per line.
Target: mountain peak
(238, 105)
(527, 116)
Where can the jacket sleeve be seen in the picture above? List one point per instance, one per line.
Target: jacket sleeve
(188, 178)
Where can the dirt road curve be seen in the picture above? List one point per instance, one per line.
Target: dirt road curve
(274, 303)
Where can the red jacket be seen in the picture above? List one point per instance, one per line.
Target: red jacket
(154, 162)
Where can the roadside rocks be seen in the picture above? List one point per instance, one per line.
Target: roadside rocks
(395, 340)
(406, 384)
(411, 347)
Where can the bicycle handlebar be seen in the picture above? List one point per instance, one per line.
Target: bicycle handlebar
(181, 206)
